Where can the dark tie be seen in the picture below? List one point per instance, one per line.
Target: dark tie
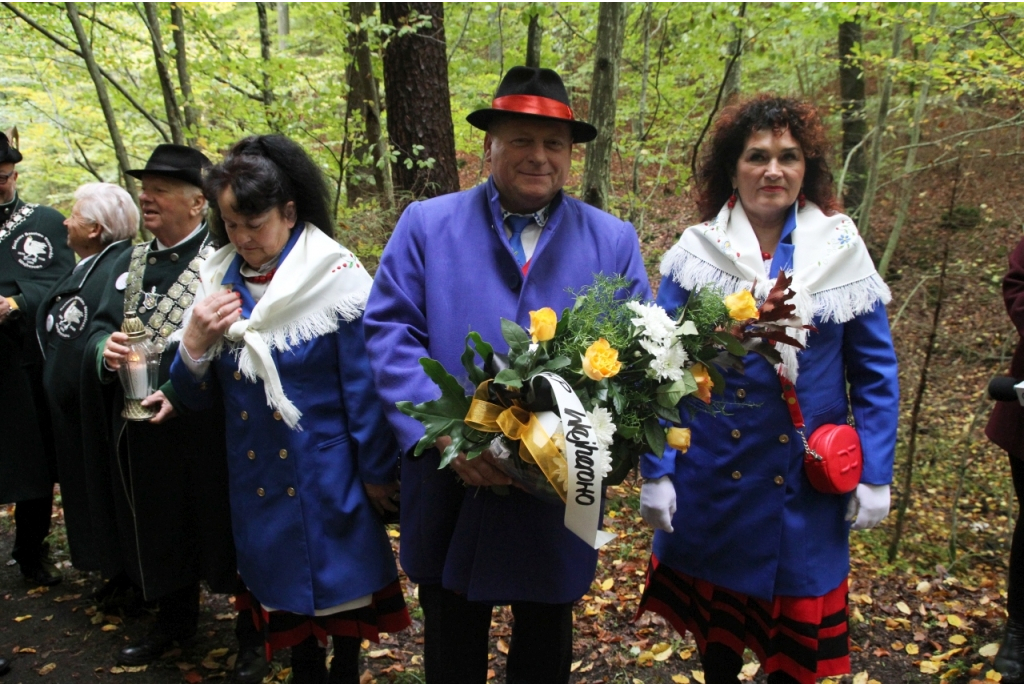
(518, 224)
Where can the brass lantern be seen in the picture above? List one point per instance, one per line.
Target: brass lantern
(140, 371)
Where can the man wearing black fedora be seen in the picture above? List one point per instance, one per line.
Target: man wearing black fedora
(460, 263)
(33, 256)
(169, 480)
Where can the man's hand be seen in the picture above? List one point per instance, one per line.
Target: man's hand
(480, 471)
(165, 410)
(115, 351)
(383, 497)
(5, 309)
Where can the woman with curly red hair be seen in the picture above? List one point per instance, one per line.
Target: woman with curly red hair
(747, 552)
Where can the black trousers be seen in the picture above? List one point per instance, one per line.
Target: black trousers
(32, 525)
(1015, 581)
(179, 612)
(457, 636)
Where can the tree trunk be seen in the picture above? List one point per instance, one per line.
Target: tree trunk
(267, 91)
(732, 74)
(533, 36)
(640, 123)
(864, 215)
(163, 73)
(284, 26)
(598, 166)
(855, 125)
(418, 101)
(101, 93)
(184, 82)
(364, 103)
(907, 183)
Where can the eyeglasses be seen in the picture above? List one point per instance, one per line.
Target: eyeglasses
(4, 178)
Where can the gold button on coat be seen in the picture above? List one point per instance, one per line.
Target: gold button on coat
(250, 454)
(779, 480)
(260, 492)
(735, 433)
(741, 393)
(277, 415)
(736, 475)
(283, 454)
(237, 375)
(245, 415)
(291, 492)
(784, 439)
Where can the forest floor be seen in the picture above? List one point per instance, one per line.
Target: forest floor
(932, 614)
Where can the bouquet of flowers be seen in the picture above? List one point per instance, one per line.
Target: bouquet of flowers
(578, 398)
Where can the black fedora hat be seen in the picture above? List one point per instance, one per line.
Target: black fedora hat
(533, 92)
(175, 161)
(8, 154)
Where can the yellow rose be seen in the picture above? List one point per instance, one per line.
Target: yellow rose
(601, 361)
(542, 324)
(741, 306)
(678, 438)
(704, 382)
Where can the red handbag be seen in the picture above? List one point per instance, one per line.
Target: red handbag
(832, 461)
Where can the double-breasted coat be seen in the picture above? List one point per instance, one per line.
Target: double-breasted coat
(63, 324)
(33, 256)
(307, 537)
(448, 270)
(747, 517)
(170, 480)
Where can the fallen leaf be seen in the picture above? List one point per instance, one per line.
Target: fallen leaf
(750, 669)
(392, 533)
(897, 646)
(994, 676)
(912, 649)
(65, 598)
(575, 666)
(903, 608)
(954, 620)
(607, 584)
(19, 619)
(97, 618)
(664, 654)
(109, 628)
(46, 669)
(211, 664)
(217, 653)
(502, 646)
(957, 639)
(646, 657)
(685, 654)
(861, 678)
(226, 616)
(990, 649)
(698, 676)
(879, 652)
(681, 679)
(24, 650)
(116, 620)
(586, 668)
(193, 677)
(378, 653)
(185, 666)
(929, 667)
(41, 590)
(924, 586)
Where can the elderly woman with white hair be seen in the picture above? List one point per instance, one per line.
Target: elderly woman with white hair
(101, 227)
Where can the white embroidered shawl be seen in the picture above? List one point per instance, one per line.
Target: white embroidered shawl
(834, 278)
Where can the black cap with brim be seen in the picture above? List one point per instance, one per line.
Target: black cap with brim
(175, 161)
(8, 154)
(535, 94)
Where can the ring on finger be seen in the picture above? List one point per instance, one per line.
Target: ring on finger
(220, 315)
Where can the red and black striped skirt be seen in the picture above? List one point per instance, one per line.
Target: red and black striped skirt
(385, 613)
(804, 637)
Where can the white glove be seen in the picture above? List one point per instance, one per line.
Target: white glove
(868, 506)
(658, 503)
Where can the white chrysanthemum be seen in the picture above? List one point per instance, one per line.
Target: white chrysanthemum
(656, 324)
(669, 362)
(603, 462)
(562, 471)
(604, 427)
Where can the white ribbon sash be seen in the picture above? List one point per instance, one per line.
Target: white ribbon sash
(583, 503)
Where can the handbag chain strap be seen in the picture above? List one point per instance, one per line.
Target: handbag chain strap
(793, 405)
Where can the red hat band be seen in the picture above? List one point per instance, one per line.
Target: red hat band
(533, 104)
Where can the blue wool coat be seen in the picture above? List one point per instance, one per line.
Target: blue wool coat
(306, 535)
(748, 519)
(448, 270)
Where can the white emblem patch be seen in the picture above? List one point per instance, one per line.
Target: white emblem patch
(72, 318)
(122, 281)
(32, 250)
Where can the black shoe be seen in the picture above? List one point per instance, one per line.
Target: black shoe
(150, 648)
(251, 665)
(41, 574)
(1009, 659)
(5, 666)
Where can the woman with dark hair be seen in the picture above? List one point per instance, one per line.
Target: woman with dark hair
(748, 553)
(276, 333)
